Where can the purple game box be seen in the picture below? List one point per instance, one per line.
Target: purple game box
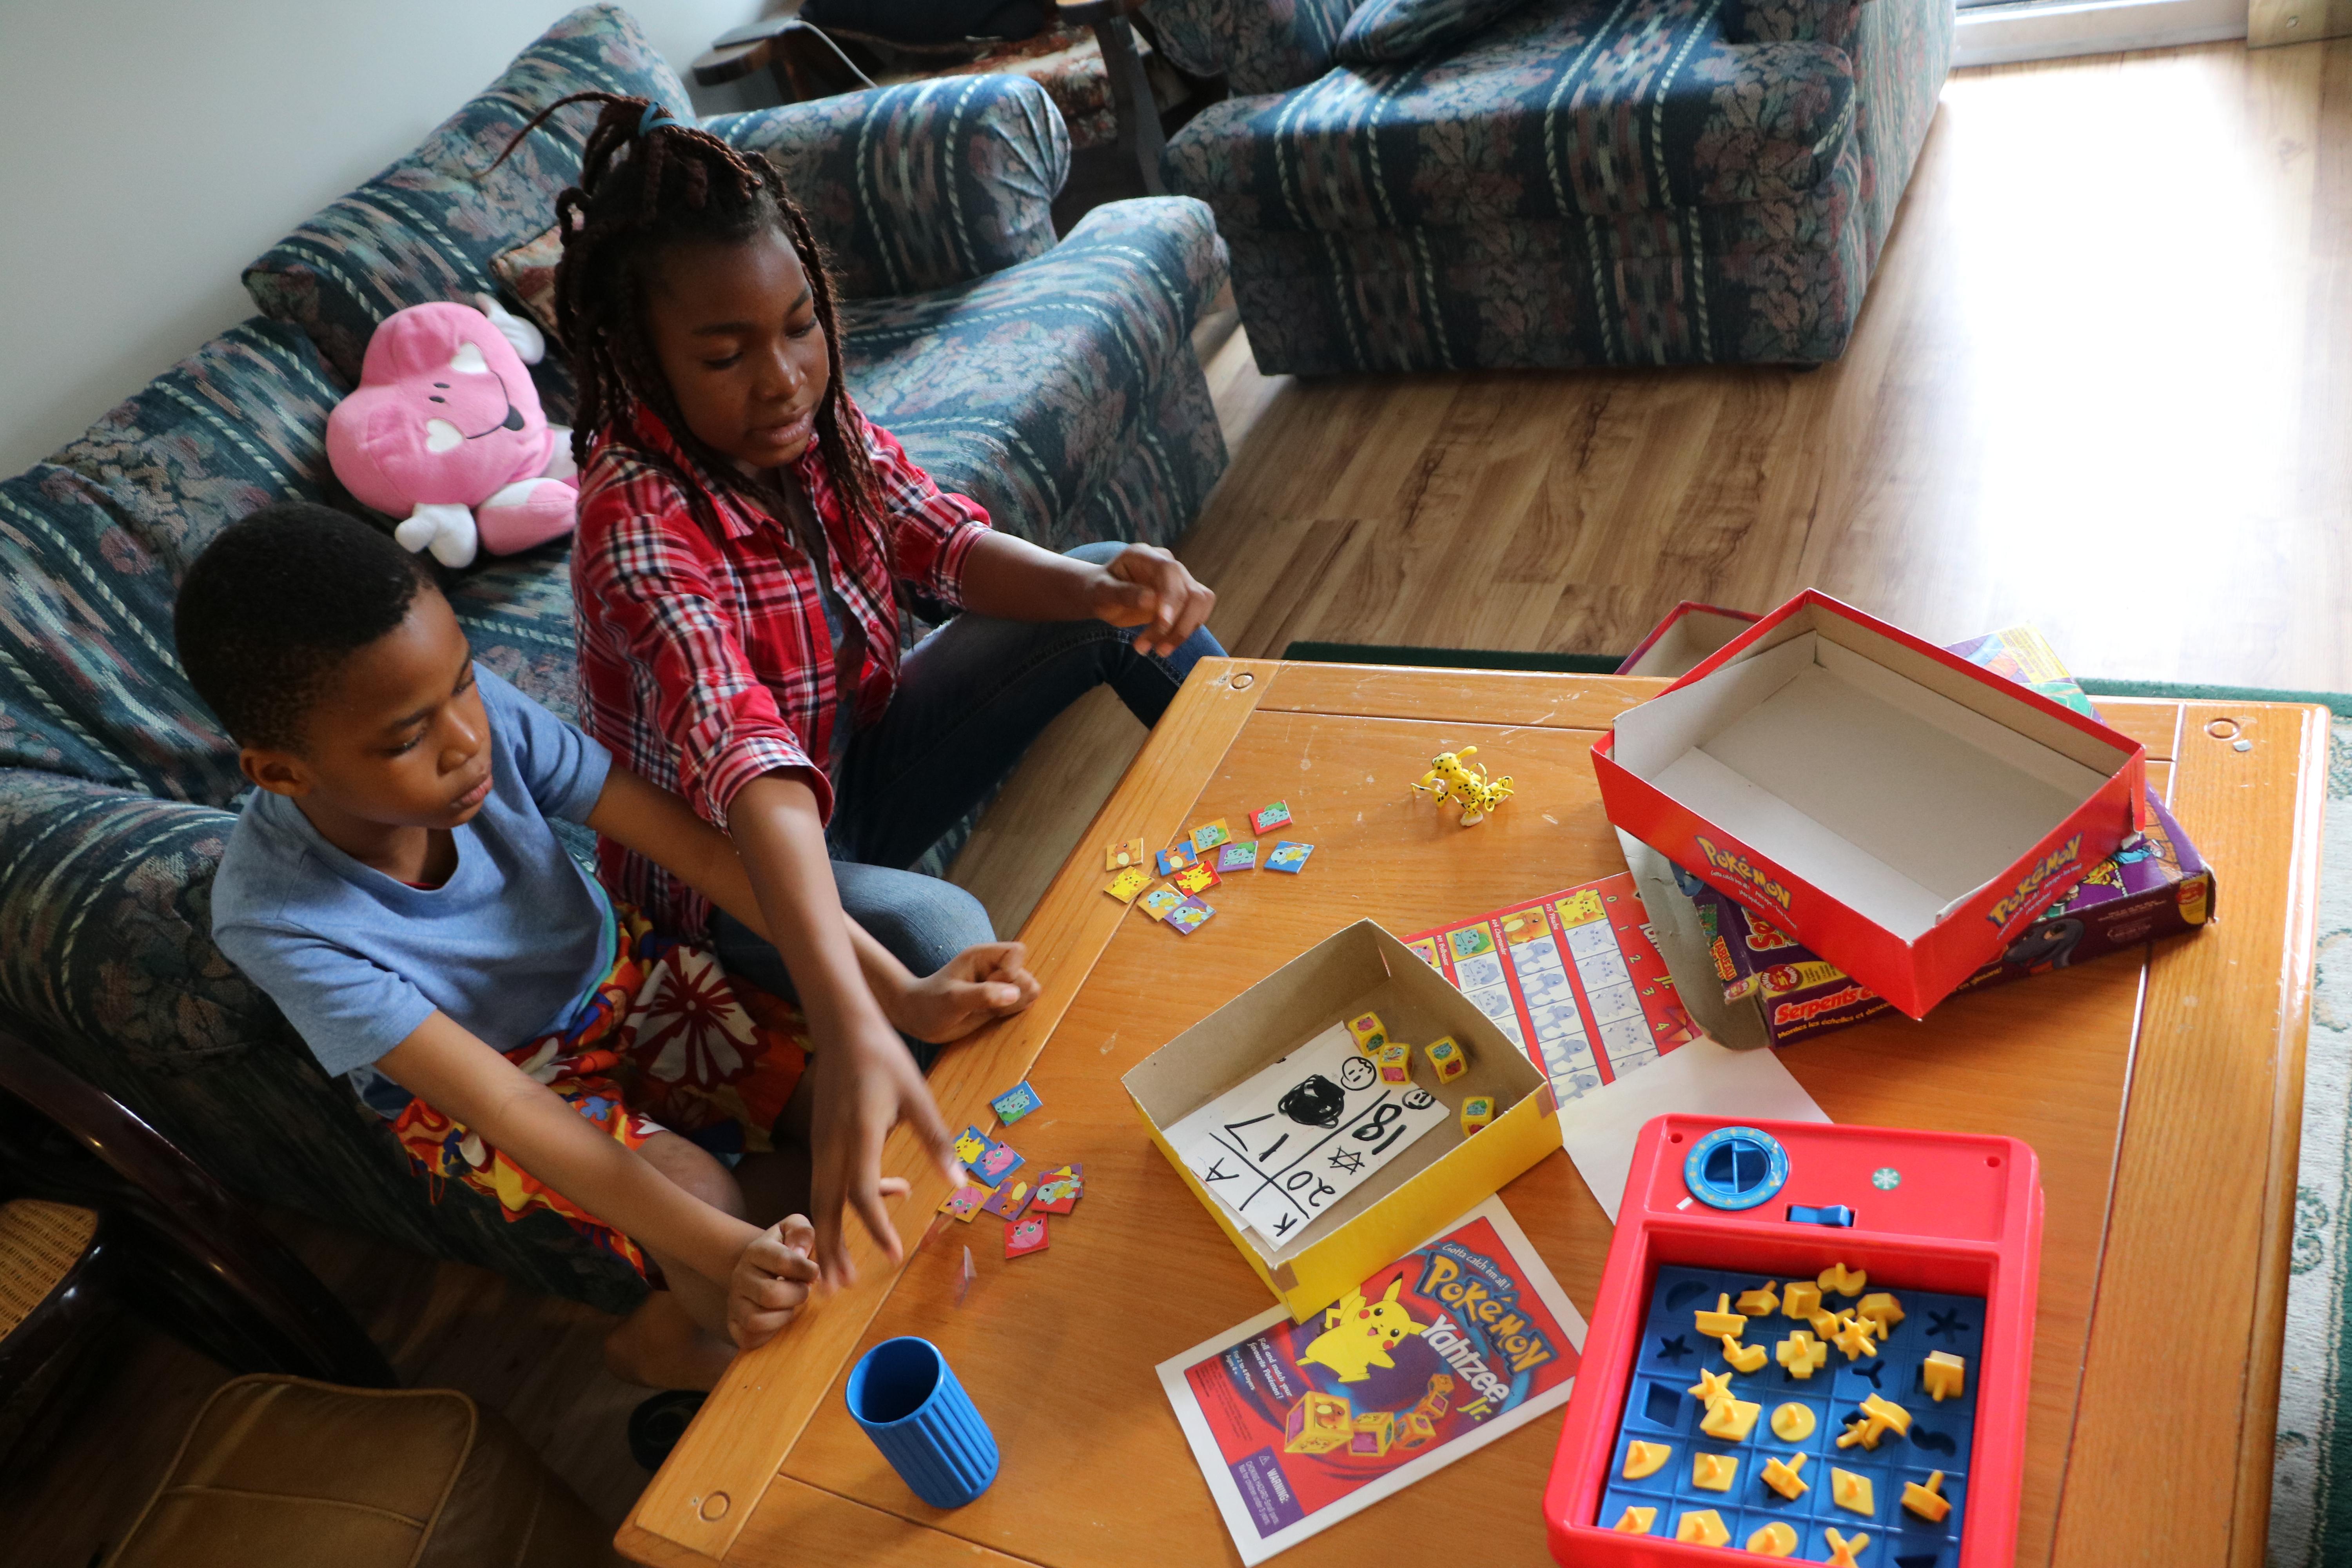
(2156, 885)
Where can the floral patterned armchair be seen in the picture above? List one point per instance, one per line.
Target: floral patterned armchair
(1582, 182)
(1055, 381)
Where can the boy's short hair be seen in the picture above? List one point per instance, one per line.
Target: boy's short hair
(276, 605)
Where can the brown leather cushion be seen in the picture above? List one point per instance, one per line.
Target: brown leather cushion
(289, 1472)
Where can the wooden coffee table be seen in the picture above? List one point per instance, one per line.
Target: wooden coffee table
(2164, 1097)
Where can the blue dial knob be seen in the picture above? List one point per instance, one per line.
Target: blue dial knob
(1736, 1168)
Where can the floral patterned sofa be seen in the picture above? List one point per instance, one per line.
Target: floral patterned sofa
(1055, 381)
(1584, 182)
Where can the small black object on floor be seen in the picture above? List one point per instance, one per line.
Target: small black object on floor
(656, 1425)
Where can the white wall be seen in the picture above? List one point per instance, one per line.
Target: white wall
(148, 149)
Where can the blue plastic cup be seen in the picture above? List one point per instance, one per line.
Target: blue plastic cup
(910, 1404)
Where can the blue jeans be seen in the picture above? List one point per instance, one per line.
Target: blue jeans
(970, 699)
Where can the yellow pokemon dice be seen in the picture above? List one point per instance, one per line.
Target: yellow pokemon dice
(1395, 1062)
(1447, 1058)
(1375, 1430)
(1369, 1033)
(1318, 1424)
(1477, 1111)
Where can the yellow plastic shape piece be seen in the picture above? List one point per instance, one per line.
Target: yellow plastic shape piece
(1712, 1386)
(1704, 1526)
(1781, 1476)
(1843, 1547)
(1854, 1337)
(1743, 1358)
(1800, 1300)
(1801, 1356)
(1928, 1502)
(1852, 1490)
(1945, 1376)
(1837, 1279)
(1884, 1414)
(1714, 1472)
(1646, 1458)
(1793, 1422)
(1722, 1321)
(1775, 1539)
(1883, 1311)
(1730, 1419)
(1636, 1521)
(1759, 1303)
(1825, 1324)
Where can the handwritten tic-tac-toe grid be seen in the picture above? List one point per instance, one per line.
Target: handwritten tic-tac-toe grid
(1297, 1136)
(1571, 977)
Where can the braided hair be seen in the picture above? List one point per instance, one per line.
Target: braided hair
(646, 182)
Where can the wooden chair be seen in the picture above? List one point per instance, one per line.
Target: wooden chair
(98, 1211)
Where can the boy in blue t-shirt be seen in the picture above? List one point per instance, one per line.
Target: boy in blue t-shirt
(394, 885)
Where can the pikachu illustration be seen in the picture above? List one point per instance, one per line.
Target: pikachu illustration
(1358, 1335)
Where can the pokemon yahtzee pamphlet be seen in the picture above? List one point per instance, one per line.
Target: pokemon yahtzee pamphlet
(1297, 1425)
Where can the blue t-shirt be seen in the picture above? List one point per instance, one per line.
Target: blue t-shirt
(509, 946)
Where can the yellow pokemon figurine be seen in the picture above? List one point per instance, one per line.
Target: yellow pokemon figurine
(1465, 783)
(1358, 1336)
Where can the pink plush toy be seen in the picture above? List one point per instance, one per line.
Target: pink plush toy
(445, 434)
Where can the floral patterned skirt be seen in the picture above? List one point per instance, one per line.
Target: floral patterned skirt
(667, 1042)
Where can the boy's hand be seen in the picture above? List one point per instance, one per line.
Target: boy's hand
(978, 985)
(772, 1280)
(1145, 586)
(863, 1083)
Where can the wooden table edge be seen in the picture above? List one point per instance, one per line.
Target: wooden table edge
(2257, 1451)
(738, 1443)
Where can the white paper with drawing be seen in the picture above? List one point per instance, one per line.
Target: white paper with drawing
(1296, 1137)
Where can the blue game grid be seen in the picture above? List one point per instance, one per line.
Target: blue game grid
(1660, 1408)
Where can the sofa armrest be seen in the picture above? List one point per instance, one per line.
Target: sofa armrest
(917, 186)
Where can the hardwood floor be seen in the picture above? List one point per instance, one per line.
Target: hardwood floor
(2103, 383)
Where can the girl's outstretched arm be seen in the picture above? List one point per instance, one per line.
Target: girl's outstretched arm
(1144, 587)
(977, 986)
(864, 1080)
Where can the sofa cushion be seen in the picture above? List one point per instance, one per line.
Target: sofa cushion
(1388, 32)
(1559, 111)
(94, 542)
(1257, 46)
(1017, 389)
(430, 226)
(1765, 281)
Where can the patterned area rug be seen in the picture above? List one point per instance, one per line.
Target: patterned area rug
(2311, 1482)
(2311, 1485)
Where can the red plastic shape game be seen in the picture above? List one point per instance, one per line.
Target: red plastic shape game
(1938, 1233)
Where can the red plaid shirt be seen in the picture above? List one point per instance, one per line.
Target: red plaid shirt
(705, 657)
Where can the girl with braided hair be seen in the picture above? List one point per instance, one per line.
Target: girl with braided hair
(747, 539)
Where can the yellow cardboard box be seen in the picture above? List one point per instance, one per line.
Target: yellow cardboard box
(1429, 1185)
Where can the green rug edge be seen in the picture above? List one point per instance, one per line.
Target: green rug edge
(2336, 703)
